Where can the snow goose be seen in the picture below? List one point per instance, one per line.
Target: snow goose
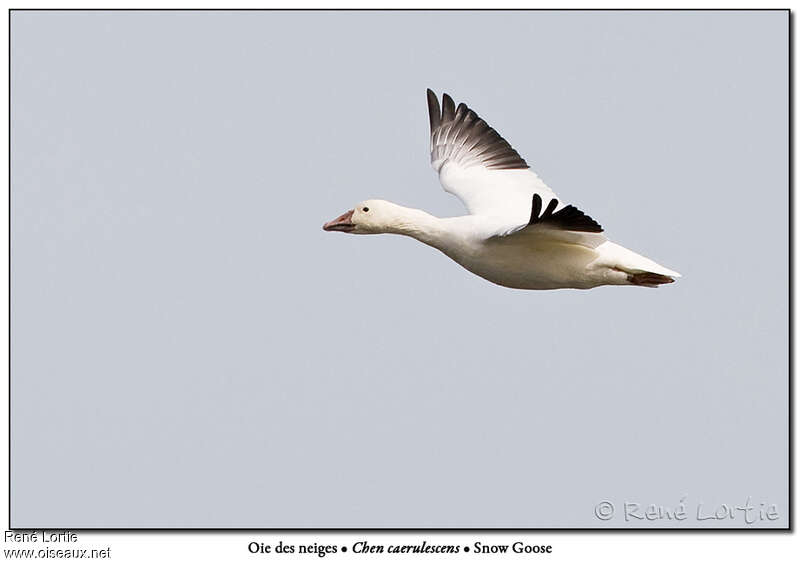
(518, 233)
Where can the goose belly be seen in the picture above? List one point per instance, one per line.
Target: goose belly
(544, 266)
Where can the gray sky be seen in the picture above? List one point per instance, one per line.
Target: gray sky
(191, 349)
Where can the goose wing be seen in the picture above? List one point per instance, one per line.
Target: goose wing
(484, 171)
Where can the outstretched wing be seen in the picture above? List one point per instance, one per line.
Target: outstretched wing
(485, 172)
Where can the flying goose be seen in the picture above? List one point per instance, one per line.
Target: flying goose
(518, 234)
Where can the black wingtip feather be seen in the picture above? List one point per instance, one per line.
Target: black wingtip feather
(568, 218)
(434, 112)
(448, 108)
(536, 208)
(476, 139)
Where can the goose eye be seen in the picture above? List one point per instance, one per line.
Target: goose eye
(365, 209)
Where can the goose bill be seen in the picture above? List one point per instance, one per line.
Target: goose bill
(342, 223)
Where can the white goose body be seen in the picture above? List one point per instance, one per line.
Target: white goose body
(518, 234)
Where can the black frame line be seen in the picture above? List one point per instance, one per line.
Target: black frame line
(302, 530)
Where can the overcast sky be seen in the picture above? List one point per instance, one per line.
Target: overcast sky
(191, 349)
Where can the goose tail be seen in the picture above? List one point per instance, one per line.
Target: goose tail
(639, 270)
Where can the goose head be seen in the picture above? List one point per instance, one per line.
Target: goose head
(369, 216)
